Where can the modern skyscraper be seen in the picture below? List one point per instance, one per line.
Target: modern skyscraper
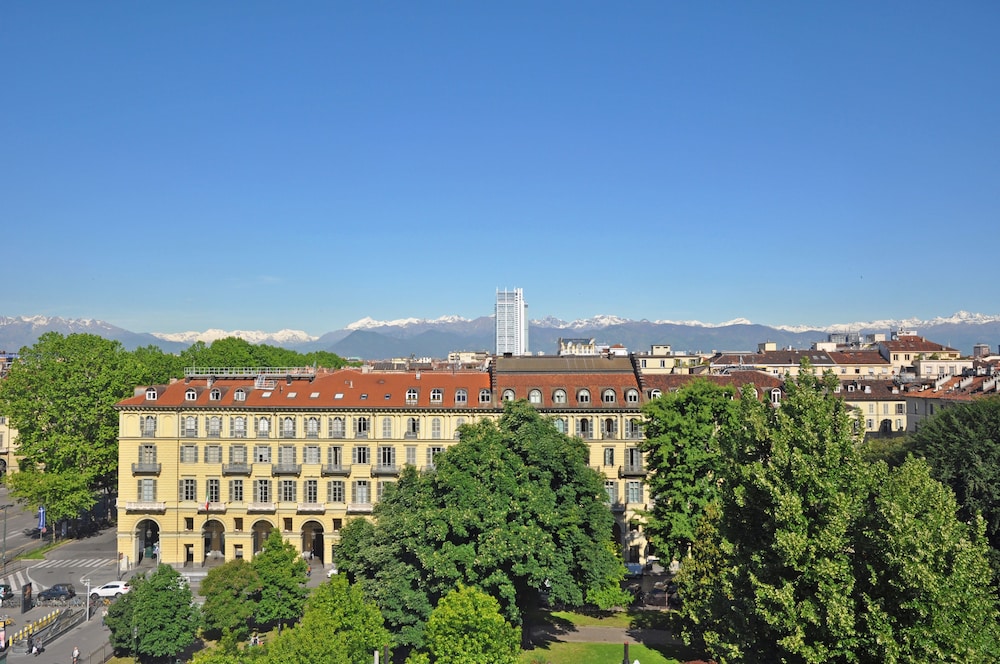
(512, 322)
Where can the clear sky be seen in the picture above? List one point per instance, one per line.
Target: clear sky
(173, 166)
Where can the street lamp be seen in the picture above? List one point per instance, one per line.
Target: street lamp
(4, 508)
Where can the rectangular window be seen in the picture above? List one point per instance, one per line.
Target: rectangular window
(335, 491)
(386, 427)
(238, 454)
(361, 492)
(238, 427)
(900, 408)
(262, 454)
(611, 487)
(311, 454)
(189, 454)
(387, 457)
(634, 489)
(432, 453)
(286, 455)
(311, 491)
(871, 409)
(213, 491)
(262, 491)
(360, 455)
(335, 456)
(609, 456)
(189, 523)
(288, 490)
(213, 454)
(214, 427)
(411, 455)
(236, 491)
(147, 490)
(885, 409)
(147, 454)
(238, 525)
(633, 458)
(190, 427)
(189, 489)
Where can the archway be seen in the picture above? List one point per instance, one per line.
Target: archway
(213, 534)
(312, 540)
(259, 533)
(147, 541)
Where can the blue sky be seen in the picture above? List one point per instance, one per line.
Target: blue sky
(263, 165)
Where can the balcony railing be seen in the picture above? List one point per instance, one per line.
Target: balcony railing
(260, 507)
(213, 507)
(311, 508)
(359, 508)
(236, 469)
(632, 470)
(145, 506)
(329, 469)
(385, 469)
(286, 469)
(145, 468)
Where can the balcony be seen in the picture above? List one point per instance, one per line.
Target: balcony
(359, 508)
(145, 506)
(617, 507)
(361, 434)
(286, 469)
(385, 469)
(633, 435)
(213, 508)
(338, 469)
(632, 470)
(145, 468)
(236, 469)
(609, 435)
(410, 435)
(311, 508)
(261, 507)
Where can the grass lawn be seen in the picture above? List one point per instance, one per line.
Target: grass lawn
(593, 653)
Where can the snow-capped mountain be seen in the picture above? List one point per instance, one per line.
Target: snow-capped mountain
(373, 339)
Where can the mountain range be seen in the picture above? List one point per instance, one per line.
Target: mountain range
(372, 339)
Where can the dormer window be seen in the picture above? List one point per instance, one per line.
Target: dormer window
(150, 394)
(411, 395)
(535, 396)
(655, 394)
(240, 395)
(190, 395)
(583, 396)
(632, 396)
(559, 396)
(437, 395)
(508, 395)
(609, 396)
(485, 396)
(215, 394)
(461, 397)
(776, 396)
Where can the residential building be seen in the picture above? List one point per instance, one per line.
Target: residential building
(511, 322)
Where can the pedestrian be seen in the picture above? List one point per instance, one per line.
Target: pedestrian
(76, 655)
(34, 646)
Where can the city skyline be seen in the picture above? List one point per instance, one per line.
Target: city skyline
(255, 166)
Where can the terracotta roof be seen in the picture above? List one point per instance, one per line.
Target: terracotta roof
(858, 357)
(916, 345)
(346, 388)
(773, 358)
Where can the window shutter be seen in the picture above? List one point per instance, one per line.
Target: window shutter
(154, 489)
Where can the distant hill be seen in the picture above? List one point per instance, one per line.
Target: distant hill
(369, 339)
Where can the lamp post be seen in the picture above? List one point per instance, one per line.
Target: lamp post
(4, 508)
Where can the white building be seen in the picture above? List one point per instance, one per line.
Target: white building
(512, 322)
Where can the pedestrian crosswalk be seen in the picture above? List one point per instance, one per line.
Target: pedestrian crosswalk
(18, 579)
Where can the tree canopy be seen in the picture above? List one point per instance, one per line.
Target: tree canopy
(156, 619)
(813, 555)
(230, 592)
(466, 626)
(512, 508)
(962, 445)
(60, 397)
(683, 459)
(281, 574)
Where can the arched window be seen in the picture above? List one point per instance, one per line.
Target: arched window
(337, 428)
(535, 396)
(288, 427)
(583, 396)
(214, 426)
(508, 395)
(387, 427)
(190, 427)
(240, 395)
(263, 427)
(361, 427)
(215, 394)
(437, 395)
(458, 425)
(559, 396)
(190, 395)
(560, 423)
(411, 395)
(485, 396)
(412, 427)
(312, 427)
(150, 394)
(238, 427)
(654, 394)
(461, 397)
(436, 427)
(632, 396)
(609, 396)
(776, 396)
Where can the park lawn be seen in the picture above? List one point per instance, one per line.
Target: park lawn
(620, 619)
(592, 653)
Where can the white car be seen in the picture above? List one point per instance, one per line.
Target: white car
(113, 589)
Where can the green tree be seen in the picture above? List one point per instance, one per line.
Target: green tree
(923, 581)
(819, 556)
(962, 445)
(235, 352)
(156, 619)
(339, 625)
(61, 398)
(281, 573)
(683, 459)
(157, 367)
(230, 605)
(511, 509)
(466, 626)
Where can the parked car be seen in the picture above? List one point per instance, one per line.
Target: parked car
(113, 589)
(6, 592)
(58, 591)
